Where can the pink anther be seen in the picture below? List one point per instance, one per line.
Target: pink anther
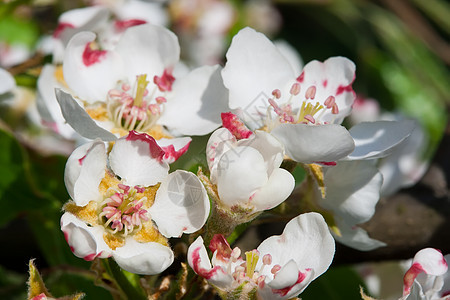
(310, 92)
(276, 93)
(295, 89)
(329, 103)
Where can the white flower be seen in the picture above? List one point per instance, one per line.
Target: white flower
(431, 262)
(302, 110)
(132, 88)
(129, 210)
(247, 172)
(352, 192)
(96, 19)
(280, 268)
(407, 163)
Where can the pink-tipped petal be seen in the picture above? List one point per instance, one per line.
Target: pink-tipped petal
(428, 260)
(231, 122)
(306, 240)
(137, 159)
(333, 77)
(174, 148)
(148, 49)
(200, 263)
(84, 171)
(88, 72)
(85, 241)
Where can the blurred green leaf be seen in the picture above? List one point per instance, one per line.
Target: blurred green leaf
(15, 30)
(12, 285)
(66, 282)
(338, 283)
(16, 194)
(438, 11)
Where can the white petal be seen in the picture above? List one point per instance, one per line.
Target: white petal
(199, 262)
(269, 147)
(85, 241)
(287, 276)
(276, 190)
(356, 237)
(416, 293)
(219, 142)
(378, 139)
(46, 85)
(7, 82)
(174, 148)
(333, 77)
(90, 76)
(352, 190)
(428, 260)
(143, 258)
(254, 68)
(148, 49)
(321, 143)
(77, 20)
(431, 261)
(306, 240)
(137, 159)
(406, 164)
(289, 282)
(241, 172)
(291, 54)
(194, 106)
(85, 169)
(153, 13)
(181, 204)
(78, 118)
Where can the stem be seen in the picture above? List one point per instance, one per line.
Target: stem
(219, 222)
(126, 288)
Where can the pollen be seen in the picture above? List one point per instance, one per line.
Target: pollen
(87, 213)
(113, 241)
(59, 75)
(149, 233)
(98, 112)
(317, 172)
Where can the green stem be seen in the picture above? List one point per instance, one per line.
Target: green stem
(125, 286)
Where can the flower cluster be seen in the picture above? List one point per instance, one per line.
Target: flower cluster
(122, 91)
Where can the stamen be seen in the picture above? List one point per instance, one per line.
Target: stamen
(276, 93)
(335, 109)
(141, 88)
(267, 259)
(330, 102)
(275, 269)
(160, 100)
(310, 119)
(295, 89)
(310, 92)
(252, 258)
(126, 87)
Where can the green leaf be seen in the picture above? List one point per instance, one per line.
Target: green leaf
(15, 30)
(64, 282)
(15, 192)
(12, 285)
(335, 284)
